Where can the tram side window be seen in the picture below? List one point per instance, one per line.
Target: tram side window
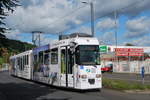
(21, 63)
(70, 62)
(63, 61)
(41, 57)
(27, 60)
(23, 66)
(18, 62)
(36, 63)
(46, 59)
(35, 59)
(54, 56)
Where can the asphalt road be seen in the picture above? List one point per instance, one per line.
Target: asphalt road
(12, 88)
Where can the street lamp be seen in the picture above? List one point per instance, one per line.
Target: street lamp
(92, 17)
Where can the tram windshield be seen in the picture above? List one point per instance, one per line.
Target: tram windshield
(87, 55)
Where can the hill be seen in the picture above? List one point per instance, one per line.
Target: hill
(9, 47)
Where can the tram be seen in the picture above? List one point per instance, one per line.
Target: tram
(21, 65)
(72, 62)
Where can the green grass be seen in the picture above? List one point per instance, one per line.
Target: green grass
(124, 85)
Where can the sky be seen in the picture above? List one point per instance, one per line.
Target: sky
(53, 17)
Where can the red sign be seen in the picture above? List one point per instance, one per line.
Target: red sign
(136, 50)
(121, 49)
(129, 51)
(136, 54)
(121, 53)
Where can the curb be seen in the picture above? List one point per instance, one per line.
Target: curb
(138, 91)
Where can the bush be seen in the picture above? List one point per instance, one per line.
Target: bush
(1, 60)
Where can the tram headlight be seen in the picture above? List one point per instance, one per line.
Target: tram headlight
(83, 76)
(98, 75)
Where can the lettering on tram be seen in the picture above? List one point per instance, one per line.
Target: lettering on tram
(72, 62)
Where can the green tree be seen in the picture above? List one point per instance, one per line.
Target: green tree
(129, 44)
(6, 5)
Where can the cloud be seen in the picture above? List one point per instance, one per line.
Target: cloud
(107, 24)
(126, 7)
(107, 38)
(13, 34)
(82, 29)
(46, 15)
(44, 39)
(144, 41)
(16, 35)
(138, 27)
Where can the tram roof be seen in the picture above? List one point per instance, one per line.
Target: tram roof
(42, 48)
(73, 35)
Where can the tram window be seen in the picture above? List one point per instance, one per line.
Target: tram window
(46, 59)
(41, 57)
(23, 65)
(63, 62)
(70, 62)
(35, 58)
(20, 65)
(54, 56)
(27, 60)
(18, 62)
(87, 55)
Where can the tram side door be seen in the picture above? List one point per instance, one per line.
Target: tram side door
(66, 68)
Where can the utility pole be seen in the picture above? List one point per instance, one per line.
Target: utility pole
(115, 16)
(92, 17)
(39, 39)
(35, 38)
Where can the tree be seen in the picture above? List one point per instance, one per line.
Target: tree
(6, 5)
(129, 44)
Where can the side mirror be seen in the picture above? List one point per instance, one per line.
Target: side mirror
(72, 46)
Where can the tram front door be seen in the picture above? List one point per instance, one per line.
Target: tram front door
(66, 67)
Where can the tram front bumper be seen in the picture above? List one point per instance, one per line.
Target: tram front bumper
(90, 84)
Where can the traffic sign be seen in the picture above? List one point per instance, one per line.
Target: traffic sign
(103, 48)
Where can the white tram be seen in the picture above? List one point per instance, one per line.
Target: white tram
(72, 62)
(21, 65)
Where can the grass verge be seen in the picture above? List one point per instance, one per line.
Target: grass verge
(123, 85)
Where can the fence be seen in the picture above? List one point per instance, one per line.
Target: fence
(132, 66)
(129, 66)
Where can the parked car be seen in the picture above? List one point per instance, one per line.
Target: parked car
(107, 68)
